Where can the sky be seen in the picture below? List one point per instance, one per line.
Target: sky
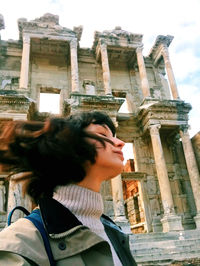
(179, 18)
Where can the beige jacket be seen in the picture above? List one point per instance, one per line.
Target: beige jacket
(21, 244)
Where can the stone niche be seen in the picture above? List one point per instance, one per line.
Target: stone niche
(89, 87)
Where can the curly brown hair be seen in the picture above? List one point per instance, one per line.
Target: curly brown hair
(51, 153)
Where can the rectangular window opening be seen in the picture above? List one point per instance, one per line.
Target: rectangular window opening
(128, 157)
(49, 102)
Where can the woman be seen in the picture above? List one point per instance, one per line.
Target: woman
(64, 161)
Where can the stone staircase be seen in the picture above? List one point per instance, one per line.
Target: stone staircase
(165, 248)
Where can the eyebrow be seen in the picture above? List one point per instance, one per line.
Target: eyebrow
(107, 129)
(105, 138)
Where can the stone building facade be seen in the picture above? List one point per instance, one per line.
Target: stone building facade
(159, 191)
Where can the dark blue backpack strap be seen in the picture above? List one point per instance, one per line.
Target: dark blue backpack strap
(35, 218)
(13, 210)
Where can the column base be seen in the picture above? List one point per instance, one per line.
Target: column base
(188, 222)
(197, 220)
(156, 224)
(171, 222)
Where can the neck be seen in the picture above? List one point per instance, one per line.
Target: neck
(91, 184)
(94, 178)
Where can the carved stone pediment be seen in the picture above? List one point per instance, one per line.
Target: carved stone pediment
(160, 40)
(118, 37)
(47, 19)
(48, 24)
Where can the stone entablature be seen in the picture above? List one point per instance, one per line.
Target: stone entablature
(118, 37)
(16, 106)
(82, 102)
(161, 41)
(128, 129)
(47, 26)
(160, 51)
(166, 113)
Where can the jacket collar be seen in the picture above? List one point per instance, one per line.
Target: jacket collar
(56, 218)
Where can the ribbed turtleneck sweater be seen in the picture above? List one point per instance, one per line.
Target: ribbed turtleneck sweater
(87, 206)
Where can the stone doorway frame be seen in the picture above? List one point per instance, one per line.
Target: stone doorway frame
(141, 177)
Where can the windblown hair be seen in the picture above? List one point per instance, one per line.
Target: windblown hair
(51, 153)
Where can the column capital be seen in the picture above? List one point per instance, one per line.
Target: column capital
(73, 43)
(164, 51)
(139, 49)
(154, 129)
(184, 129)
(102, 42)
(26, 39)
(103, 45)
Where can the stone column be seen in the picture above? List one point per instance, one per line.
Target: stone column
(143, 74)
(170, 73)
(170, 221)
(15, 198)
(192, 170)
(106, 69)
(25, 62)
(181, 197)
(74, 66)
(118, 203)
(2, 205)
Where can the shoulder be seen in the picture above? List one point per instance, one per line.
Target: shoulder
(21, 230)
(20, 238)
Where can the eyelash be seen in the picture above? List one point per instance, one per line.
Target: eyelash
(103, 134)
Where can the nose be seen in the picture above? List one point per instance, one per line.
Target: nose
(118, 142)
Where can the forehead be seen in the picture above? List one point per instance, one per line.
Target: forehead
(97, 127)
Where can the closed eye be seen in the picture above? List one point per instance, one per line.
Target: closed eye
(103, 134)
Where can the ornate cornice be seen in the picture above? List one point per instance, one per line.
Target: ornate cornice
(168, 113)
(14, 99)
(47, 25)
(161, 41)
(117, 37)
(128, 176)
(82, 102)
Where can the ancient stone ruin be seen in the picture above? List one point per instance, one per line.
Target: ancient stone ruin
(157, 197)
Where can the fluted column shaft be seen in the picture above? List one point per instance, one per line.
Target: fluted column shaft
(25, 63)
(74, 66)
(143, 73)
(105, 68)
(191, 166)
(170, 73)
(161, 169)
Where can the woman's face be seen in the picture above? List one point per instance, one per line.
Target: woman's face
(109, 160)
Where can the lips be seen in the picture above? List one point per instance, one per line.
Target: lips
(121, 154)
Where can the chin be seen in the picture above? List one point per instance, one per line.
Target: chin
(117, 172)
